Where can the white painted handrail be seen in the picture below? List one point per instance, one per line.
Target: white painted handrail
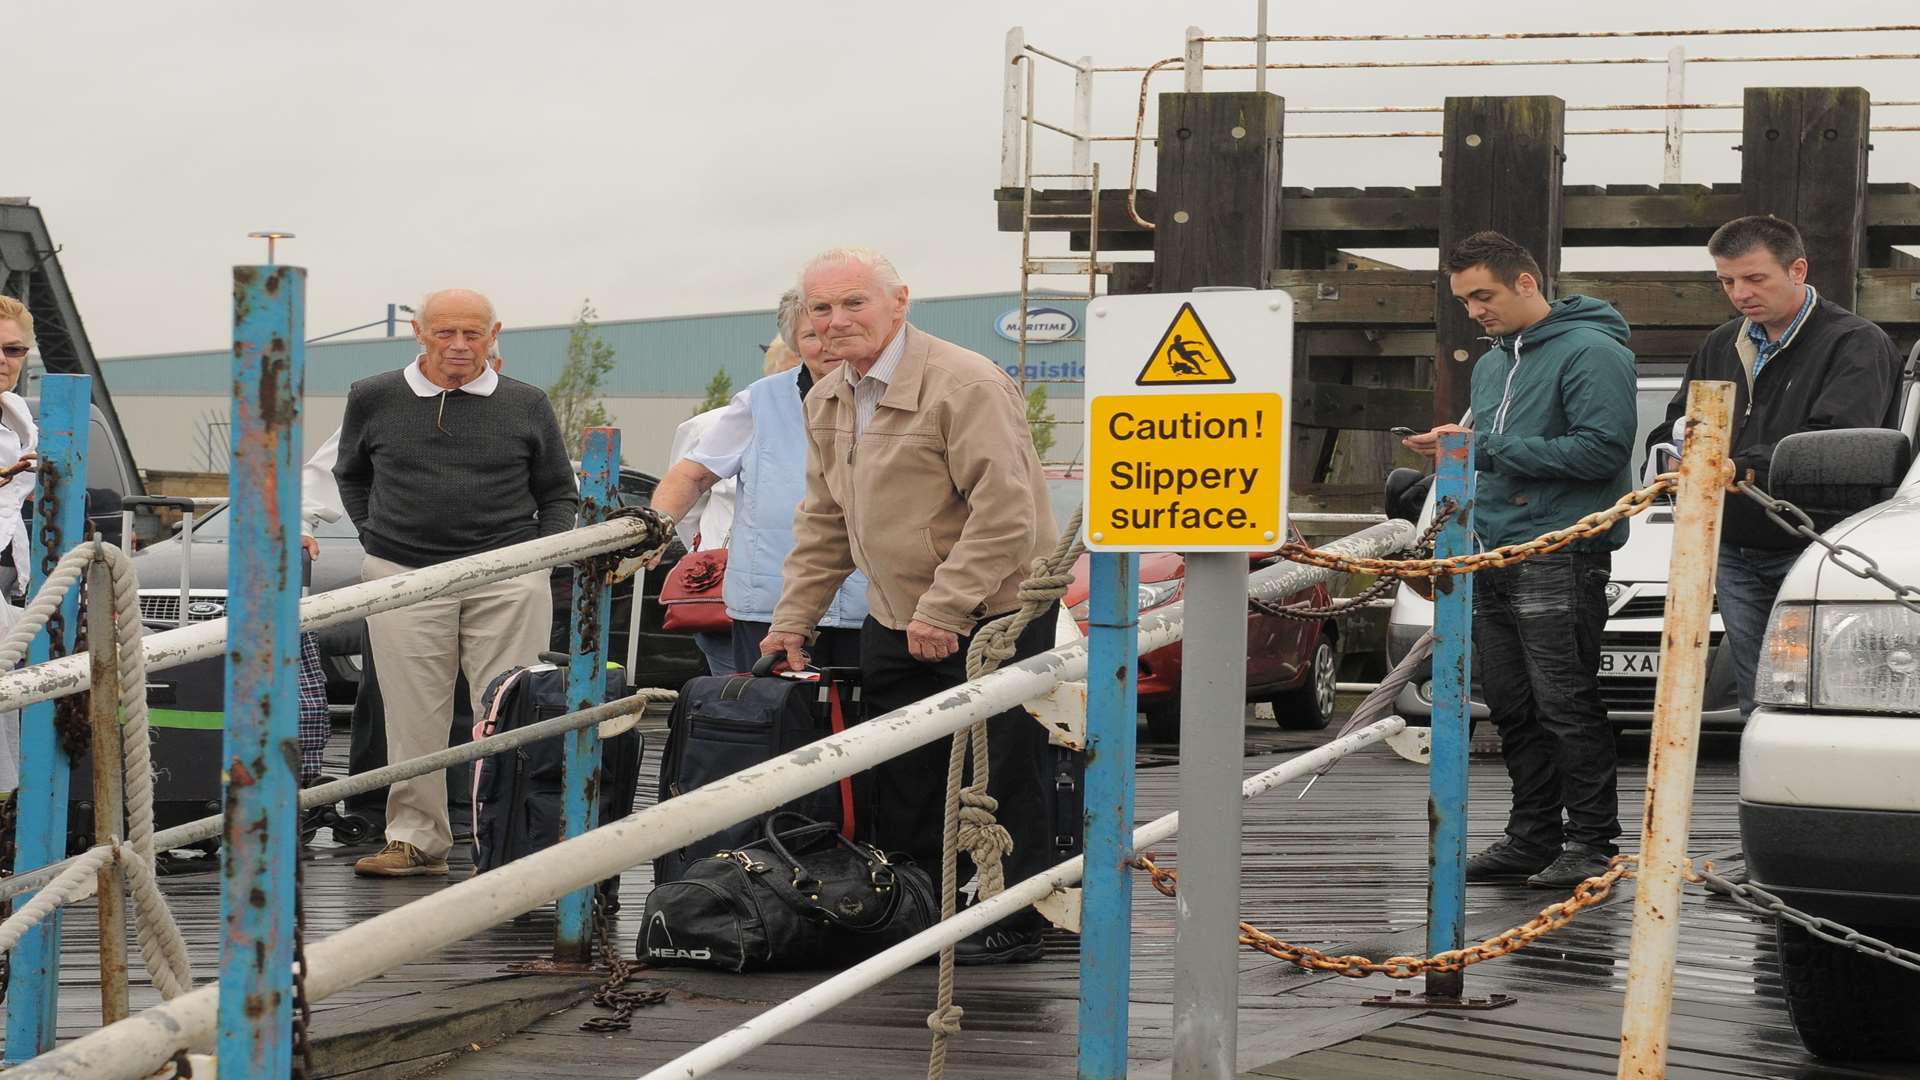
(138, 1046)
(172, 648)
(803, 1007)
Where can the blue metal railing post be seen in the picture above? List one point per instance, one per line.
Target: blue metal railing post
(586, 687)
(41, 829)
(1452, 684)
(260, 840)
(1106, 908)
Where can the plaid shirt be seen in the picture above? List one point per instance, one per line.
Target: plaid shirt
(1758, 334)
(316, 727)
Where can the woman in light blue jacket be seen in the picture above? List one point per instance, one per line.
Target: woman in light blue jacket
(761, 438)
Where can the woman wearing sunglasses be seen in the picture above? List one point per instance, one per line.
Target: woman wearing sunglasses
(19, 436)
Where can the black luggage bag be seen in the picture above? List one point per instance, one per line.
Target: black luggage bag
(725, 723)
(516, 793)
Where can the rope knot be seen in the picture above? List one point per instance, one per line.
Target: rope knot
(946, 1020)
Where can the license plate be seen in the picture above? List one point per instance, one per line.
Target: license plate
(1645, 665)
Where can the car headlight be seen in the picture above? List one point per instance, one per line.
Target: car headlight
(1155, 593)
(1786, 657)
(1868, 657)
(1152, 594)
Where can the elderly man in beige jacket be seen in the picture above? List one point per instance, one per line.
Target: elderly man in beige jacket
(921, 473)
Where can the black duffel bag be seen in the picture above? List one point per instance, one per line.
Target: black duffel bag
(802, 896)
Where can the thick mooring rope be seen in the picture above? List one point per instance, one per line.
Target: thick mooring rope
(970, 824)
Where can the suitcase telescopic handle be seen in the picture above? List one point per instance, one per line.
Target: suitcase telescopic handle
(763, 667)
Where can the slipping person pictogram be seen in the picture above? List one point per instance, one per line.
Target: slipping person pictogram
(1186, 355)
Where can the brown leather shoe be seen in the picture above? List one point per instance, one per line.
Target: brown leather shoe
(399, 859)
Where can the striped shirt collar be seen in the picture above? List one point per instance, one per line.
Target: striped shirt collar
(417, 381)
(883, 369)
(1766, 350)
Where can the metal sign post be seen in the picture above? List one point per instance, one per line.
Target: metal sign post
(260, 845)
(1452, 718)
(586, 687)
(41, 802)
(1676, 731)
(1106, 917)
(1187, 451)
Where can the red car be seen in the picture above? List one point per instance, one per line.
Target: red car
(1290, 663)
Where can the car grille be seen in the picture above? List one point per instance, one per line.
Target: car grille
(1627, 695)
(1647, 605)
(164, 608)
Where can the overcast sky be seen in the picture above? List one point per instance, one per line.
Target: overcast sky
(668, 159)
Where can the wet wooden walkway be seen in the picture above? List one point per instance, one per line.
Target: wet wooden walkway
(1344, 867)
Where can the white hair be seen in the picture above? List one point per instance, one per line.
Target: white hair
(884, 275)
(787, 317)
(426, 301)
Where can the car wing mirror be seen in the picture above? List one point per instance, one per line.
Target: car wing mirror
(1406, 493)
(1835, 473)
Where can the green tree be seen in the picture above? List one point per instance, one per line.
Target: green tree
(576, 396)
(1037, 421)
(719, 392)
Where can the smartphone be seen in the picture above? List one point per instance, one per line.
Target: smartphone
(1403, 432)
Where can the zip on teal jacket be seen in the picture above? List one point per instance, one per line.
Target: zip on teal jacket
(1554, 419)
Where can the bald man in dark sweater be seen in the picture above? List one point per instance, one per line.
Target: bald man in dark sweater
(440, 460)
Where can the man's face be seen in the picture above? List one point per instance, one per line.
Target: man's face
(13, 353)
(813, 352)
(854, 317)
(1499, 308)
(1760, 288)
(456, 333)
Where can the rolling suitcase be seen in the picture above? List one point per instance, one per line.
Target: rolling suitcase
(517, 793)
(725, 723)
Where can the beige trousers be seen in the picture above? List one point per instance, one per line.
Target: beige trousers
(417, 652)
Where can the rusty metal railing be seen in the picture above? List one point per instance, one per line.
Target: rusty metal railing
(1193, 63)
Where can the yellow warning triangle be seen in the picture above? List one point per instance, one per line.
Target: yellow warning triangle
(1186, 355)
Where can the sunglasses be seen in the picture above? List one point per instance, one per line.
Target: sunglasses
(14, 352)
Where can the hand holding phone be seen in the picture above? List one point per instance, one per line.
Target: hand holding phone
(1402, 432)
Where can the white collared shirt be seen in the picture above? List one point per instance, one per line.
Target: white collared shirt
(871, 387)
(424, 387)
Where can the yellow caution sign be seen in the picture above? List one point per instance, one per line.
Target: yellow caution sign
(1176, 472)
(1186, 355)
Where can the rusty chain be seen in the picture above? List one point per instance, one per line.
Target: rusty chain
(9, 822)
(612, 994)
(69, 712)
(302, 1005)
(1381, 589)
(1594, 524)
(1552, 917)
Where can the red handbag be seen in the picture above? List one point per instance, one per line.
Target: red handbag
(691, 593)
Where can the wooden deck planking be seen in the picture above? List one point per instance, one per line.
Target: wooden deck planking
(1344, 867)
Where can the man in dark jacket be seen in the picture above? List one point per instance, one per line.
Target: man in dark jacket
(1553, 421)
(1798, 362)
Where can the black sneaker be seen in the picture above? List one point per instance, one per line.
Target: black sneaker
(1507, 861)
(999, 946)
(1577, 863)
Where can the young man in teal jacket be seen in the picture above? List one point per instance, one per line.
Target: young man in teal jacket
(1553, 423)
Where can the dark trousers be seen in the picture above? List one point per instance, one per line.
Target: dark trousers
(833, 648)
(910, 791)
(1748, 580)
(1536, 653)
(367, 740)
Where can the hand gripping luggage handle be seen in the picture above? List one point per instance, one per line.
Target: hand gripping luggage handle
(879, 871)
(763, 668)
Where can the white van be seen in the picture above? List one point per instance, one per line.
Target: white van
(1636, 603)
(1830, 761)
